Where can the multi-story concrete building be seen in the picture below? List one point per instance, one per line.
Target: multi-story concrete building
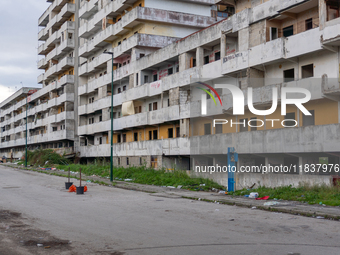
(50, 114)
(162, 48)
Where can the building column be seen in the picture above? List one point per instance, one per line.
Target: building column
(322, 14)
(199, 56)
(184, 62)
(223, 46)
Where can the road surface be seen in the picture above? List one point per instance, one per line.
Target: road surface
(35, 209)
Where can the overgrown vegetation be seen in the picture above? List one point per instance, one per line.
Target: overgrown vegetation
(310, 194)
(142, 174)
(145, 175)
(44, 158)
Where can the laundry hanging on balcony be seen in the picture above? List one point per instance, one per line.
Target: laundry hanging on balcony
(128, 108)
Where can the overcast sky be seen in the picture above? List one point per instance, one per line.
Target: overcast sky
(18, 44)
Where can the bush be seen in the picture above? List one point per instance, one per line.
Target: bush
(45, 158)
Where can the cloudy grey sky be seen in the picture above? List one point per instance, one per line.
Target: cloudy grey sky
(18, 44)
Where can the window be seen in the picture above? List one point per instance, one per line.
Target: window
(168, 102)
(100, 118)
(289, 75)
(119, 43)
(137, 79)
(141, 55)
(54, 129)
(140, 161)
(218, 129)
(135, 137)
(170, 71)
(100, 140)
(178, 134)
(170, 133)
(155, 134)
(207, 129)
(177, 69)
(307, 71)
(124, 88)
(273, 33)
(124, 138)
(206, 60)
(150, 107)
(155, 77)
(119, 90)
(288, 31)
(244, 125)
(332, 9)
(146, 79)
(217, 56)
(150, 135)
(253, 123)
(119, 139)
(119, 161)
(290, 116)
(155, 106)
(140, 109)
(309, 120)
(309, 24)
(127, 161)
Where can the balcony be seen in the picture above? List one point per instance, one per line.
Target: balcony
(57, 118)
(323, 138)
(40, 78)
(331, 35)
(88, 9)
(100, 104)
(42, 64)
(173, 146)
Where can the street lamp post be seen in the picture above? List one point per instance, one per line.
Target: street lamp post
(111, 158)
(26, 134)
(28, 94)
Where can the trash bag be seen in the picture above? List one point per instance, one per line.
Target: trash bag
(72, 189)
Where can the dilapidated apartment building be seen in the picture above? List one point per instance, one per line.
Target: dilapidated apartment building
(161, 48)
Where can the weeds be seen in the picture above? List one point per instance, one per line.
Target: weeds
(310, 194)
(145, 175)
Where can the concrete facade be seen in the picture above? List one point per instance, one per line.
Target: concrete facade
(161, 48)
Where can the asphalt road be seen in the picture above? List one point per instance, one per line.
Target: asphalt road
(115, 221)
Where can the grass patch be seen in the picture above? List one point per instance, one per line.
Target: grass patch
(310, 194)
(143, 175)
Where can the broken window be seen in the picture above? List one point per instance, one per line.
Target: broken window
(309, 24)
(289, 75)
(309, 120)
(207, 129)
(307, 71)
(135, 137)
(288, 31)
(155, 77)
(290, 116)
(150, 135)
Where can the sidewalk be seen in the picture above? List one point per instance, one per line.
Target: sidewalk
(290, 207)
